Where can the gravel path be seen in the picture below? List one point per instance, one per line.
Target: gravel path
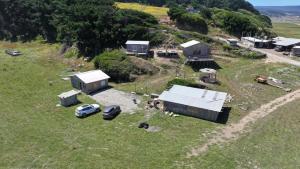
(116, 97)
(233, 131)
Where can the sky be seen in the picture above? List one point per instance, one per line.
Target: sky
(275, 2)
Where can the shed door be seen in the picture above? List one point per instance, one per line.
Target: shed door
(103, 83)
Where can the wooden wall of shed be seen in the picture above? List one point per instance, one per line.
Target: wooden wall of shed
(200, 50)
(135, 48)
(191, 111)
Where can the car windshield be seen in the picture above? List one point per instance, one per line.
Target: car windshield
(108, 109)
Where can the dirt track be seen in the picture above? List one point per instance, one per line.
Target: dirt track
(233, 131)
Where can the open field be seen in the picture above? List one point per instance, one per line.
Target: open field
(272, 143)
(287, 30)
(155, 11)
(35, 133)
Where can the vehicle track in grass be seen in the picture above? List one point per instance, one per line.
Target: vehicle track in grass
(234, 130)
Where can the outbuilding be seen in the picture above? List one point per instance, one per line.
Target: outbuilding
(68, 98)
(232, 42)
(257, 43)
(91, 81)
(195, 51)
(193, 102)
(137, 47)
(296, 51)
(286, 44)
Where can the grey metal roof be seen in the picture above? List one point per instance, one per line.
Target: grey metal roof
(68, 94)
(281, 41)
(199, 98)
(132, 42)
(92, 76)
(190, 43)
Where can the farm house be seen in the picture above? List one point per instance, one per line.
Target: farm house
(193, 102)
(137, 47)
(196, 51)
(91, 81)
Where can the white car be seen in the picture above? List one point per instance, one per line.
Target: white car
(87, 109)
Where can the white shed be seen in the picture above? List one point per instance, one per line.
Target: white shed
(137, 47)
(68, 98)
(196, 51)
(91, 81)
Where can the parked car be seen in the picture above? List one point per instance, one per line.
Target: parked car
(13, 52)
(85, 110)
(110, 112)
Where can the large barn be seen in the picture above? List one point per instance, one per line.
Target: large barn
(198, 103)
(91, 81)
(195, 51)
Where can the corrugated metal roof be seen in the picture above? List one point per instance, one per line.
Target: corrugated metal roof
(92, 76)
(251, 39)
(132, 42)
(199, 98)
(68, 94)
(189, 44)
(281, 41)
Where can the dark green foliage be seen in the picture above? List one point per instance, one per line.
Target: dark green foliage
(182, 82)
(241, 22)
(206, 13)
(176, 11)
(193, 22)
(116, 64)
(93, 25)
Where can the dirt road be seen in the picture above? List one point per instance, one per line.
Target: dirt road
(272, 57)
(233, 131)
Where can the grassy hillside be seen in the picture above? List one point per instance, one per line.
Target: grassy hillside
(273, 143)
(155, 11)
(35, 133)
(287, 30)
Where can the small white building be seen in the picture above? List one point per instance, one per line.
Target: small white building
(232, 42)
(296, 51)
(196, 51)
(68, 98)
(91, 81)
(137, 47)
(194, 102)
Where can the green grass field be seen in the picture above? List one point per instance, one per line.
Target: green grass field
(35, 133)
(155, 11)
(287, 30)
(272, 143)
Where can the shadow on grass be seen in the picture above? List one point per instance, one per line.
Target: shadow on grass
(196, 66)
(223, 115)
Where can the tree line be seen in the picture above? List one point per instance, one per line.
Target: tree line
(91, 25)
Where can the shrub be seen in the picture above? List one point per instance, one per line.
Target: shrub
(193, 22)
(182, 82)
(116, 64)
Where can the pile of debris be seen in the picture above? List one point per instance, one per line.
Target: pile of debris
(272, 82)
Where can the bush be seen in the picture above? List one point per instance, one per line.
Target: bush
(116, 64)
(182, 82)
(72, 52)
(192, 22)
